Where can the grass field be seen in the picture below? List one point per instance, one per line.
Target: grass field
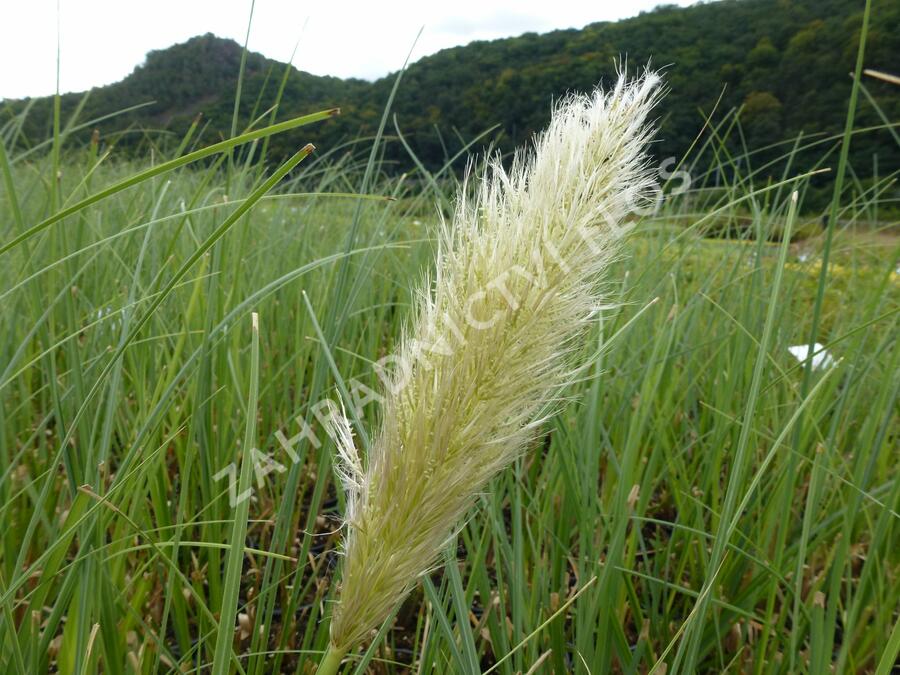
(704, 502)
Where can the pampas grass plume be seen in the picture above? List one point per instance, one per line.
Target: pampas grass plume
(518, 279)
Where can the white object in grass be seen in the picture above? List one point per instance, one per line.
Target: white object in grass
(821, 358)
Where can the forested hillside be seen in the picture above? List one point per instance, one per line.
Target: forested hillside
(785, 63)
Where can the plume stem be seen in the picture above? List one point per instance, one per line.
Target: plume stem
(331, 662)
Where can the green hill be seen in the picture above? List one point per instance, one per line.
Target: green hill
(785, 61)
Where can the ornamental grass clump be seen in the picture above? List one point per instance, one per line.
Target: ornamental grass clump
(519, 277)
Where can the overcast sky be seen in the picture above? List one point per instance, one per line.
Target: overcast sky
(101, 41)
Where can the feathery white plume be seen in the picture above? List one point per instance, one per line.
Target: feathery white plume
(518, 279)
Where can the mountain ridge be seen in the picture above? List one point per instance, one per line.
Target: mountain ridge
(783, 61)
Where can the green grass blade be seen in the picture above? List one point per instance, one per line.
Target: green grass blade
(235, 558)
(166, 167)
